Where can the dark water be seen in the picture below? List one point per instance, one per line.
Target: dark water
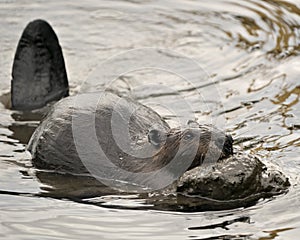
(248, 83)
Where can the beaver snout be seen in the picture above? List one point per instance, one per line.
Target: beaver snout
(201, 144)
(226, 146)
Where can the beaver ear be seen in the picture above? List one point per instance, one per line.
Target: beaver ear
(156, 137)
(193, 124)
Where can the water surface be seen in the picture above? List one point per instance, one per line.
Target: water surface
(248, 49)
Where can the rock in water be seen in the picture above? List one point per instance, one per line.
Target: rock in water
(237, 181)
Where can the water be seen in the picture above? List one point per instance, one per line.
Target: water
(249, 49)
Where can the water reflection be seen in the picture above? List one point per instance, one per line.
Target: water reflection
(222, 224)
(22, 132)
(274, 233)
(271, 25)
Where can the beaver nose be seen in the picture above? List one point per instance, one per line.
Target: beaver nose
(227, 147)
(225, 142)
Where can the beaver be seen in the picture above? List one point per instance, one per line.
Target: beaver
(64, 140)
(112, 136)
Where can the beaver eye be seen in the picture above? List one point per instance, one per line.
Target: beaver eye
(188, 136)
(156, 137)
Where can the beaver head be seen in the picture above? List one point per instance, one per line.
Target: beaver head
(198, 145)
